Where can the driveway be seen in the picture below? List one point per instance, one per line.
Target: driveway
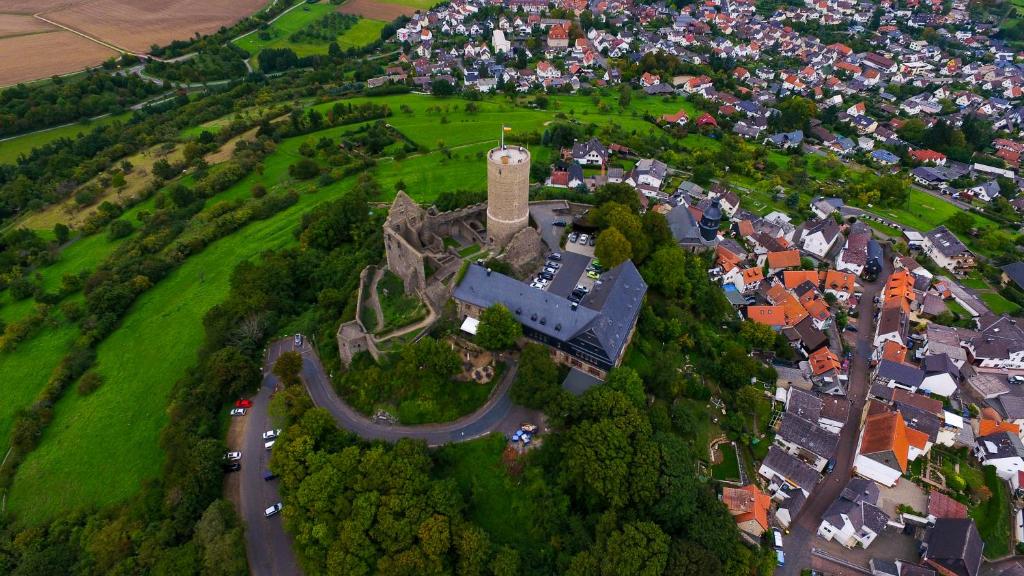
(268, 546)
(545, 215)
(803, 532)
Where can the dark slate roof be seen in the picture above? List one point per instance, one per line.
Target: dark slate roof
(955, 544)
(1001, 445)
(578, 382)
(902, 373)
(946, 242)
(858, 502)
(792, 469)
(1013, 406)
(1015, 272)
(804, 404)
(808, 435)
(809, 334)
(605, 317)
(938, 363)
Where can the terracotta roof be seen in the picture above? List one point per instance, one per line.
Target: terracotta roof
(794, 278)
(894, 351)
(769, 315)
(986, 427)
(747, 503)
(990, 413)
(795, 312)
(746, 228)
(822, 360)
(886, 432)
(751, 275)
(785, 259)
(921, 401)
(840, 281)
(942, 506)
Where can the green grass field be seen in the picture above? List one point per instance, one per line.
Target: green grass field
(417, 4)
(497, 502)
(924, 212)
(364, 32)
(729, 468)
(11, 149)
(999, 304)
(99, 448)
(26, 371)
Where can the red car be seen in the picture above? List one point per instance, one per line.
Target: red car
(243, 403)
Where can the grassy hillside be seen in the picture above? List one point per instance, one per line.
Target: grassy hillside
(278, 34)
(11, 149)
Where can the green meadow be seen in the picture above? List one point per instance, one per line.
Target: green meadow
(279, 33)
(11, 149)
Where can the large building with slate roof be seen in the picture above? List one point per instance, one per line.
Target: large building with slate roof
(854, 518)
(953, 546)
(590, 336)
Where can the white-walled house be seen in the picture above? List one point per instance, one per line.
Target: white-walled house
(854, 519)
(1002, 450)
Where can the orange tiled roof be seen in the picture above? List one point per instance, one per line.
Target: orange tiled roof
(768, 315)
(817, 309)
(986, 427)
(786, 259)
(894, 351)
(840, 281)
(751, 275)
(747, 503)
(822, 360)
(794, 278)
(886, 432)
(726, 259)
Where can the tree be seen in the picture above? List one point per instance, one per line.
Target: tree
(795, 112)
(62, 232)
(288, 367)
(760, 336)
(960, 222)
(623, 194)
(498, 328)
(536, 384)
(612, 248)
(441, 87)
(625, 96)
(665, 271)
(304, 169)
(120, 229)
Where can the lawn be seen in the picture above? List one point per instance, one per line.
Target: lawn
(993, 516)
(27, 369)
(497, 501)
(999, 304)
(924, 212)
(398, 309)
(362, 33)
(99, 448)
(417, 4)
(729, 468)
(365, 32)
(18, 145)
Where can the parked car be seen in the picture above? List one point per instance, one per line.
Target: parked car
(269, 444)
(777, 537)
(298, 339)
(268, 475)
(780, 558)
(851, 328)
(555, 256)
(232, 467)
(273, 510)
(233, 456)
(1016, 379)
(830, 465)
(537, 285)
(238, 411)
(550, 269)
(546, 275)
(582, 288)
(584, 239)
(552, 264)
(243, 403)
(593, 240)
(573, 236)
(559, 223)
(593, 275)
(271, 434)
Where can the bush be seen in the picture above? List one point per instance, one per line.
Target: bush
(120, 229)
(89, 383)
(304, 169)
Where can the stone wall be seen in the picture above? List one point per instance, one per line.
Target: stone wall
(525, 252)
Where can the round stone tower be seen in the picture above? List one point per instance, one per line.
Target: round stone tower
(508, 193)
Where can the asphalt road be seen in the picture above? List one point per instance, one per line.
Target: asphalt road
(798, 543)
(495, 414)
(268, 546)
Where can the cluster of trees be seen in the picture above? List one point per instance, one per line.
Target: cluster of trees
(624, 234)
(32, 107)
(211, 62)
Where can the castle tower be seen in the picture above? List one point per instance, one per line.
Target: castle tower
(508, 193)
(710, 221)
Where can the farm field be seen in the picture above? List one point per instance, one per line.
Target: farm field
(99, 448)
(40, 55)
(21, 24)
(14, 147)
(375, 10)
(136, 25)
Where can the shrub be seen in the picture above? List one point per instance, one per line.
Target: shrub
(89, 383)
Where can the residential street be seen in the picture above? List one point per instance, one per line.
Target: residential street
(798, 544)
(268, 546)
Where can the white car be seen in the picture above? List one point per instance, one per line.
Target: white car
(273, 510)
(270, 444)
(537, 285)
(584, 239)
(238, 411)
(232, 456)
(271, 434)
